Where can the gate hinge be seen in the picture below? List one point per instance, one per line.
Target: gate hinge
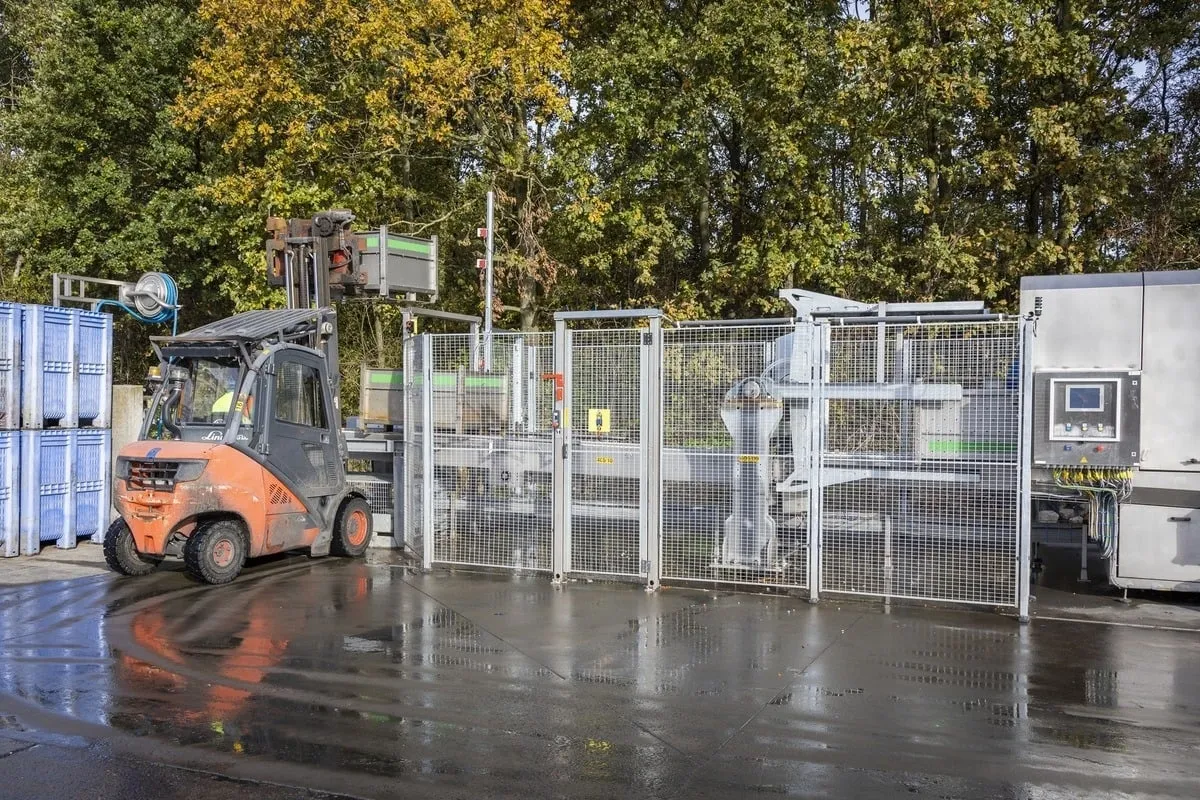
(647, 337)
(564, 451)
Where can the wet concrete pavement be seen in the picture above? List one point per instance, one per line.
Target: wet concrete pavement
(369, 680)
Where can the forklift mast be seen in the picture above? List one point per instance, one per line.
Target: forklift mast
(319, 262)
(312, 260)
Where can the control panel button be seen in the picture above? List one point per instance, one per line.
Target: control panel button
(1083, 427)
(1099, 448)
(1068, 426)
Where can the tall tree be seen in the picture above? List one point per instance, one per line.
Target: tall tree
(97, 180)
(699, 153)
(404, 111)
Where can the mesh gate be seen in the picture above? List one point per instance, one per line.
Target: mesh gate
(725, 456)
(919, 461)
(491, 452)
(607, 405)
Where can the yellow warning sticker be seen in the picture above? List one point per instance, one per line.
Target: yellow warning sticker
(599, 420)
(747, 459)
(605, 460)
(1083, 460)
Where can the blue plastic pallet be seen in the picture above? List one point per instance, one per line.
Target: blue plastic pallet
(92, 482)
(95, 348)
(47, 507)
(10, 498)
(49, 385)
(10, 366)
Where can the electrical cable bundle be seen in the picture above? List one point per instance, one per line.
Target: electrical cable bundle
(1105, 489)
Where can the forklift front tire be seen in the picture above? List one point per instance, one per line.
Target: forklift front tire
(353, 531)
(121, 553)
(216, 552)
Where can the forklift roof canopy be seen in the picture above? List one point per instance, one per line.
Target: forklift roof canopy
(233, 336)
(252, 326)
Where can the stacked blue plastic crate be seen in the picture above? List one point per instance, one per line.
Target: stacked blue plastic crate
(10, 421)
(55, 475)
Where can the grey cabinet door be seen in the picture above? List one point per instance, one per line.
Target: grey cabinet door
(1171, 377)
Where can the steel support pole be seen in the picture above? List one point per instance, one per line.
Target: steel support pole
(489, 286)
(517, 378)
(426, 345)
(816, 431)
(559, 480)
(1025, 468)
(402, 466)
(385, 253)
(651, 446)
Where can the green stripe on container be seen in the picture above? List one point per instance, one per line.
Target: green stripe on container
(443, 379)
(959, 446)
(402, 245)
(449, 380)
(410, 246)
(386, 378)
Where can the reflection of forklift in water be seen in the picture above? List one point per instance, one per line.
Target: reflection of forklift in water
(241, 453)
(243, 649)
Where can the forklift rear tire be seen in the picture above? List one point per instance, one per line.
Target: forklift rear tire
(353, 531)
(216, 551)
(121, 553)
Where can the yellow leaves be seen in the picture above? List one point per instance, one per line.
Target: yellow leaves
(382, 74)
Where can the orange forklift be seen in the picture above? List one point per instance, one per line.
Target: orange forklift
(241, 452)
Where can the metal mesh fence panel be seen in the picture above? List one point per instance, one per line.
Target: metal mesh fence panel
(920, 461)
(491, 453)
(606, 400)
(729, 440)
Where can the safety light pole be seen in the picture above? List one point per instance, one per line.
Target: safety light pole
(487, 293)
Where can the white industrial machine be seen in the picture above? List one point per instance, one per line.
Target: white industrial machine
(1116, 365)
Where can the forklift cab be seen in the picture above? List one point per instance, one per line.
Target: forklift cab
(279, 406)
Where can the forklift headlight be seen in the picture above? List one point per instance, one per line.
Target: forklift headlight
(189, 470)
(122, 469)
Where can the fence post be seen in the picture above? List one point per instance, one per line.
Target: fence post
(1024, 467)
(401, 468)
(651, 446)
(560, 478)
(426, 344)
(816, 443)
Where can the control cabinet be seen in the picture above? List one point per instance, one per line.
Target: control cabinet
(1087, 417)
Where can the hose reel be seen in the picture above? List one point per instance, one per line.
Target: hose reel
(152, 299)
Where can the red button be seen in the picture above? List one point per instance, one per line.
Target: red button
(1100, 448)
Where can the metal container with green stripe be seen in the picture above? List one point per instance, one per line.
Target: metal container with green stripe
(982, 426)
(463, 401)
(410, 266)
(381, 397)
